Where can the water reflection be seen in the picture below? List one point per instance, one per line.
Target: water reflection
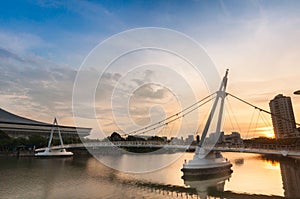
(85, 177)
(29, 178)
(239, 161)
(208, 187)
(290, 173)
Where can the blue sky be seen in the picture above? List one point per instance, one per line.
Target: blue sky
(257, 39)
(60, 28)
(65, 31)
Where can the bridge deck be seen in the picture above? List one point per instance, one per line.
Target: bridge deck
(241, 149)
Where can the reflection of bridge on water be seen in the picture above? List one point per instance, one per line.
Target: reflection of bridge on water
(284, 150)
(195, 189)
(215, 187)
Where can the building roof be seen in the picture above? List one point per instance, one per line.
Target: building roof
(10, 122)
(6, 116)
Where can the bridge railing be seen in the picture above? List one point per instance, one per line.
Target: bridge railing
(123, 143)
(239, 147)
(292, 147)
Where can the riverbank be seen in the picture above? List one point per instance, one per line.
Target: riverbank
(16, 153)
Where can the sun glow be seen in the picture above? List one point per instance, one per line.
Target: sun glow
(266, 132)
(269, 134)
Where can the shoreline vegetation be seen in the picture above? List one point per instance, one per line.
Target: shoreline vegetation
(26, 146)
(22, 146)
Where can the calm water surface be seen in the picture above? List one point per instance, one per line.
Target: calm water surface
(85, 177)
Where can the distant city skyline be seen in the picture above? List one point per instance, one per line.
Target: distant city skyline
(43, 44)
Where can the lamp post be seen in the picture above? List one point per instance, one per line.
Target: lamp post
(297, 92)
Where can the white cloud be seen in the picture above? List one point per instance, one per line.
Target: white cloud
(33, 84)
(20, 42)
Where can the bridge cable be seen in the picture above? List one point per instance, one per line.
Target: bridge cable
(170, 121)
(263, 110)
(234, 116)
(249, 127)
(229, 113)
(256, 124)
(265, 120)
(172, 116)
(177, 116)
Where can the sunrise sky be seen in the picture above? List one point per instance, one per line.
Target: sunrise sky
(44, 43)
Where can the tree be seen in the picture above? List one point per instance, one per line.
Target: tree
(133, 138)
(37, 141)
(5, 141)
(3, 135)
(20, 141)
(116, 137)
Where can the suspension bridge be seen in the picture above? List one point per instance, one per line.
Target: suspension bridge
(268, 149)
(276, 149)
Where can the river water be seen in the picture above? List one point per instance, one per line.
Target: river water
(85, 177)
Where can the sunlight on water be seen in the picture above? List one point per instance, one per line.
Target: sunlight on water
(85, 177)
(254, 176)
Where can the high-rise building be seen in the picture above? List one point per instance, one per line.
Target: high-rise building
(283, 118)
